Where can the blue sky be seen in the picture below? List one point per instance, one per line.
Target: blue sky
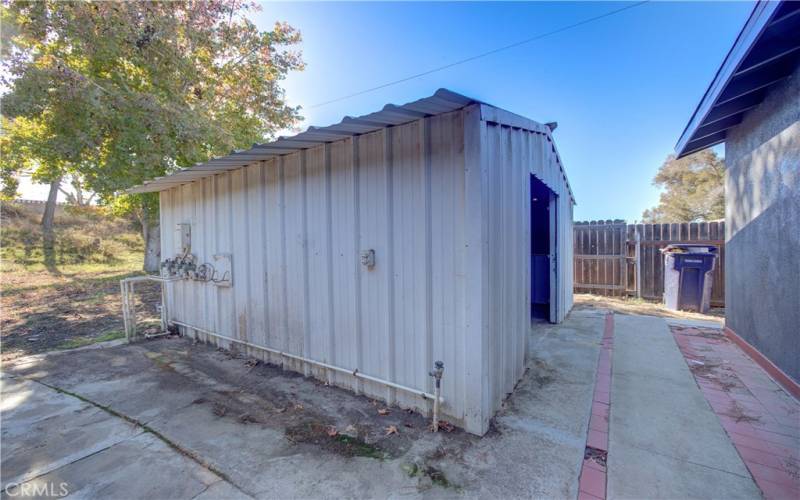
(621, 88)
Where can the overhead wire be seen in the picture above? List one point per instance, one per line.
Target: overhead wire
(484, 54)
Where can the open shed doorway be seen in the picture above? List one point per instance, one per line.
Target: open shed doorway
(543, 251)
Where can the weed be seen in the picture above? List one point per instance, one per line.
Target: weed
(76, 342)
(436, 476)
(317, 433)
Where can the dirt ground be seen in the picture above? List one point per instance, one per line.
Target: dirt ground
(642, 307)
(74, 299)
(42, 311)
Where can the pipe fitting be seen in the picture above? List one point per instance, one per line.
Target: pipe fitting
(436, 373)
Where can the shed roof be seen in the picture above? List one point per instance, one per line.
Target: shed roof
(766, 51)
(442, 101)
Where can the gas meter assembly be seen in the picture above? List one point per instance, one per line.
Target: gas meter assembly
(185, 264)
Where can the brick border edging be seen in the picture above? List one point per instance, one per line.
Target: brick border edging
(776, 373)
(593, 477)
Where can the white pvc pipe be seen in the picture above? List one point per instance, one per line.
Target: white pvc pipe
(129, 303)
(355, 373)
(155, 335)
(123, 290)
(436, 410)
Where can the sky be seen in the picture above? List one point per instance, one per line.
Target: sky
(621, 88)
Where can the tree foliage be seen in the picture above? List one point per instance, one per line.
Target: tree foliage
(125, 91)
(115, 93)
(693, 189)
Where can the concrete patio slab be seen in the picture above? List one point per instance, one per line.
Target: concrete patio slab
(665, 441)
(266, 431)
(44, 430)
(140, 467)
(55, 444)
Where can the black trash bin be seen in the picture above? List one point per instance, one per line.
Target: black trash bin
(687, 276)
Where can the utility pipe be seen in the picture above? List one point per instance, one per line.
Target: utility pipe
(437, 373)
(123, 289)
(437, 399)
(149, 336)
(129, 303)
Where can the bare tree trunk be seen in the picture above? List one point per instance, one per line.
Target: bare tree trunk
(48, 235)
(151, 232)
(50, 207)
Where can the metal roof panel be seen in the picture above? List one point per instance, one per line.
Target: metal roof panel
(442, 101)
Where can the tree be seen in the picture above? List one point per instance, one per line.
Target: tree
(28, 145)
(77, 195)
(694, 189)
(120, 92)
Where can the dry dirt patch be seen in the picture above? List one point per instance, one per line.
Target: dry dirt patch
(73, 300)
(639, 306)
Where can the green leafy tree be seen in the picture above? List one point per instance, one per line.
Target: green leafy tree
(693, 189)
(114, 93)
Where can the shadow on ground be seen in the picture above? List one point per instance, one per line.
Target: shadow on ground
(46, 312)
(271, 433)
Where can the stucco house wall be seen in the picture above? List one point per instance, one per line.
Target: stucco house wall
(762, 216)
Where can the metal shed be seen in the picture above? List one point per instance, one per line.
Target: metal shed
(363, 252)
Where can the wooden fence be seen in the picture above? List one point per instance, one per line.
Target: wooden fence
(615, 258)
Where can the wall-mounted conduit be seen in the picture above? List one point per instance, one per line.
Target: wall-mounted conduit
(354, 373)
(129, 320)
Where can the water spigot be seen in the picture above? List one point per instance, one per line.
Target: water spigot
(437, 372)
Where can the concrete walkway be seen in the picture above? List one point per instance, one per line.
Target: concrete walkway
(55, 444)
(665, 441)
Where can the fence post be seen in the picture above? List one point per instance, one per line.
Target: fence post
(638, 263)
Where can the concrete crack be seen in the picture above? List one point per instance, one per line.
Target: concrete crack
(146, 428)
(650, 450)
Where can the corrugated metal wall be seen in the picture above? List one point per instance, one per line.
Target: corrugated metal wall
(513, 154)
(296, 225)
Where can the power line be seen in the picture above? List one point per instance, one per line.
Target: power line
(484, 54)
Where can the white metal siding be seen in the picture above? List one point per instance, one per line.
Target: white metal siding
(295, 227)
(513, 154)
(444, 203)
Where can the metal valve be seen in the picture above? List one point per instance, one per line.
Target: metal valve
(437, 373)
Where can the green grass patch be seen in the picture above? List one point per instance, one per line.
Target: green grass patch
(312, 432)
(358, 448)
(76, 342)
(436, 476)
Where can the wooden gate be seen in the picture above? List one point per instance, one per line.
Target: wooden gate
(600, 257)
(614, 258)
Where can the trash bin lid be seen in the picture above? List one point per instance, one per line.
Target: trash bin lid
(690, 248)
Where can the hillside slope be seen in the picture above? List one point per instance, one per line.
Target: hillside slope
(72, 299)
